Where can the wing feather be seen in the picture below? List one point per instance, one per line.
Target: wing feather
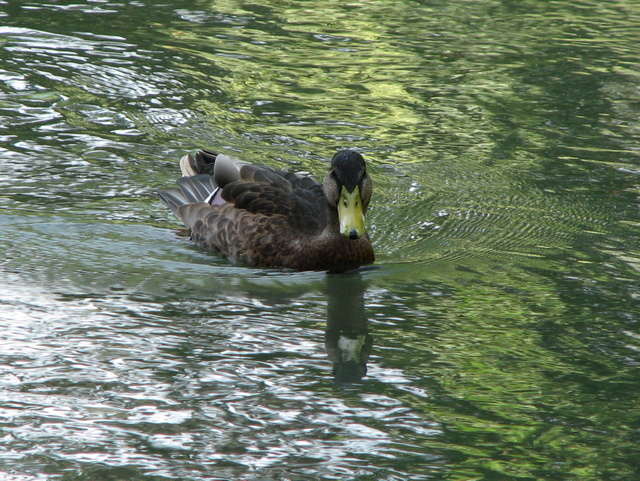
(225, 192)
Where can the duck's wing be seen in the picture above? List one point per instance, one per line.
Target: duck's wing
(215, 179)
(264, 191)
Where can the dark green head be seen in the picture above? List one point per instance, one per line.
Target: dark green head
(347, 188)
(349, 168)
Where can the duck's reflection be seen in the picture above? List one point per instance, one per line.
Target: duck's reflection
(347, 339)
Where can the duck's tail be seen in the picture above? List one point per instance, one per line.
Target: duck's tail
(191, 190)
(196, 185)
(201, 163)
(203, 176)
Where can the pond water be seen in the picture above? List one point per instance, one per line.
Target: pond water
(497, 336)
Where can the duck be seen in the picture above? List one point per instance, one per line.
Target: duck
(259, 216)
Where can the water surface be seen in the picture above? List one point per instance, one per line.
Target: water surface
(497, 337)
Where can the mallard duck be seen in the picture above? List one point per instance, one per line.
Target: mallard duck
(264, 217)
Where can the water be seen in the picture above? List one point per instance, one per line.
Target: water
(498, 336)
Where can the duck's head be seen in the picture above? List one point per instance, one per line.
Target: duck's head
(347, 189)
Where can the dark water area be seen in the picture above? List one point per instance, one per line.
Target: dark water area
(497, 337)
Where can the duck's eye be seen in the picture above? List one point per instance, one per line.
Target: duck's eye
(344, 202)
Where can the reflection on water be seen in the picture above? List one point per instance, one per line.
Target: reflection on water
(502, 141)
(347, 337)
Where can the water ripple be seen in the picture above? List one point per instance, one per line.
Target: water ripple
(502, 332)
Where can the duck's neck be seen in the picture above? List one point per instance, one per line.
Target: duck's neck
(333, 222)
(331, 250)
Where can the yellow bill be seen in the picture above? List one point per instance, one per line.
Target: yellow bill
(350, 214)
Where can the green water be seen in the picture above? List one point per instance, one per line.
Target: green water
(499, 329)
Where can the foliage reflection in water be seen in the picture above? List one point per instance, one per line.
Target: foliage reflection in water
(498, 336)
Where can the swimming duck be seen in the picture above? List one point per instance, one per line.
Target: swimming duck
(264, 217)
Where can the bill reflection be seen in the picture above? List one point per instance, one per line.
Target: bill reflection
(347, 339)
